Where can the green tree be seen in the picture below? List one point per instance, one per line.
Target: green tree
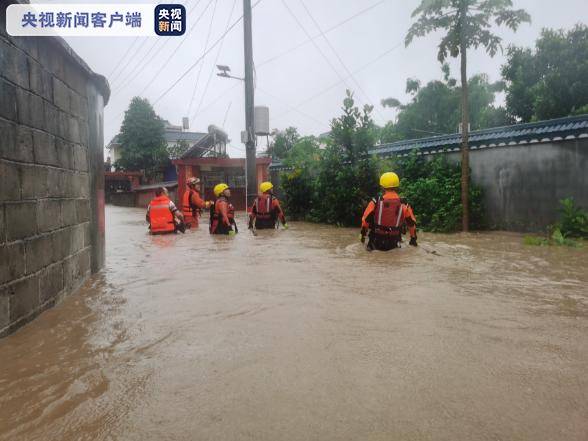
(304, 154)
(178, 149)
(467, 24)
(282, 142)
(435, 108)
(347, 175)
(143, 145)
(549, 82)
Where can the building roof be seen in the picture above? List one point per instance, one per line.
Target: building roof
(543, 131)
(559, 129)
(166, 184)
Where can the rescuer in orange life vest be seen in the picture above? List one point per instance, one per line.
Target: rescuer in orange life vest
(192, 203)
(222, 212)
(266, 211)
(387, 216)
(163, 215)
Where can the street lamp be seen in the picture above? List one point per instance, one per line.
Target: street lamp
(224, 72)
(247, 136)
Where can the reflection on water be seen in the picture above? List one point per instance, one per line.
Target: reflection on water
(301, 334)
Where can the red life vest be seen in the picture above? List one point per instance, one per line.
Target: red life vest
(161, 218)
(264, 207)
(216, 224)
(388, 217)
(188, 209)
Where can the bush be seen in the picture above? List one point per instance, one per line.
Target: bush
(342, 190)
(433, 188)
(298, 189)
(573, 220)
(335, 185)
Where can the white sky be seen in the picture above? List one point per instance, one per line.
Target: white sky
(287, 83)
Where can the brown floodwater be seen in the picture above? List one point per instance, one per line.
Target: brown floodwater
(303, 335)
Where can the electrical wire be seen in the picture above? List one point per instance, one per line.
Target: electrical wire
(332, 28)
(332, 86)
(131, 76)
(205, 47)
(218, 52)
(366, 96)
(120, 61)
(199, 59)
(317, 47)
(294, 108)
(172, 54)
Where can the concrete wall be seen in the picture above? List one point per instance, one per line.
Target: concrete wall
(51, 174)
(523, 183)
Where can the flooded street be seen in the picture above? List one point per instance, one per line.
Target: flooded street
(303, 335)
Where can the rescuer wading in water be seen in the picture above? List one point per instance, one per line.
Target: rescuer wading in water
(386, 217)
(163, 215)
(192, 203)
(266, 211)
(222, 212)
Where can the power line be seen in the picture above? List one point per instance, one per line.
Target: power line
(193, 65)
(129, 61)
(205, 47)
(220, 47)
(123, 57)
(130, 77)
(340, 59)
(332, 28)
(294, 108)
(216, 99)
(301, 26)
(332, 86)
(172, 54)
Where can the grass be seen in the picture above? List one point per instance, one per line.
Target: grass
(556, 239)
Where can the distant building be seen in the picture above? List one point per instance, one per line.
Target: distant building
(173, 135)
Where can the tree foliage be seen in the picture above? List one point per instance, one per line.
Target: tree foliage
(282, 142)
(549, 82)
(347, 175)
(466, 24)
(435, 109)
(433, 189)
(178, 149)
(472, 19)
(143, 145)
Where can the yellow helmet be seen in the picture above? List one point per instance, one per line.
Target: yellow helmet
(266, 186)
(389, 180)
(219, 188)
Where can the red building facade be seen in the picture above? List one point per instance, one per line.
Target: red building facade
(212, 171)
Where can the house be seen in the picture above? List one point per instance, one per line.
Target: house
(173, 135)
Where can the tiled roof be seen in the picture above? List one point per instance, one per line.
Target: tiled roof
(542, 131)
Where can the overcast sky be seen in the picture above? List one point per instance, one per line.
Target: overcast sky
(301, 88)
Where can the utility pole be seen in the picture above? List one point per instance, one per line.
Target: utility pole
(250, 168)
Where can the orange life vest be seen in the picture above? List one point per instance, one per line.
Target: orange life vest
(265, 216)
(189, 211)
(216, 224)
(161, 218)
(388, 217)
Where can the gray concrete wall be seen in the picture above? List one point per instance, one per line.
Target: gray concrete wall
(523, 183)
(51, 182)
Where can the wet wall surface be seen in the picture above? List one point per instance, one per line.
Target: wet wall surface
(303, 335)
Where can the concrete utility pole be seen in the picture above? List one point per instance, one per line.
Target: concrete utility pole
(251, 169)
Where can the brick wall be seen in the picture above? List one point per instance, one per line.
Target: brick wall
(51, 193)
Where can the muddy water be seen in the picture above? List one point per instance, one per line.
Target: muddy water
(302, 335)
